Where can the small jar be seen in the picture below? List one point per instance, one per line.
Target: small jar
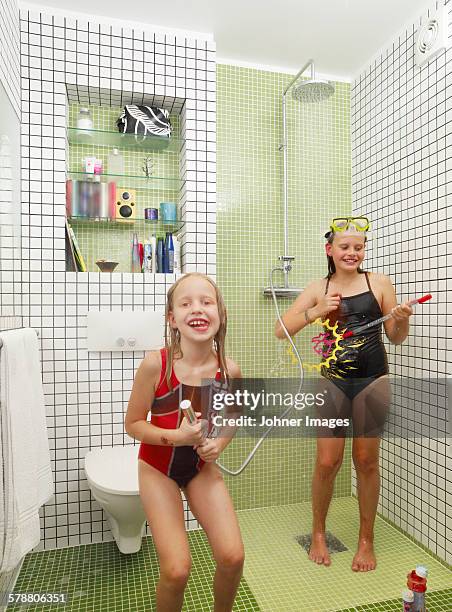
(168, 211)
(84, 120)
(151, 214)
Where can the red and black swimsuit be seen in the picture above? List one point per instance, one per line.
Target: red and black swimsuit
(181, 463)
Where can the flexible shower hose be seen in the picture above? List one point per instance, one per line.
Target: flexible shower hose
(289, 408)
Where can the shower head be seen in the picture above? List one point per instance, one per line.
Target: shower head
(313, 90)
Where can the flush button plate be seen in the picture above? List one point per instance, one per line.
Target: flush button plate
(131, 330)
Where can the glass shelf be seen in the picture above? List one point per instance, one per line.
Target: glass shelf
(128, 181)
(157, 226)
(124, 141)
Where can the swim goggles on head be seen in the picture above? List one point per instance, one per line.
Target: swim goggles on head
(341, 224)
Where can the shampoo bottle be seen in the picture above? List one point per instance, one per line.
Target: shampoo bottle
(154, 253)
(169, 253)
(147, 261)
(136, 267)
(177, 262)
(160, 249)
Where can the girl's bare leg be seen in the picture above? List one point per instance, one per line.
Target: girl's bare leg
(211, 504)
(162, 503)
(329, 459)
(330, 451)
(371, 404)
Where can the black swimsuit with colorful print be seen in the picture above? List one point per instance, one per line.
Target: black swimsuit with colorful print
(362, 357)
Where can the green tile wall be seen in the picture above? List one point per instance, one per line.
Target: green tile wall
(102, 240)
(250, 239)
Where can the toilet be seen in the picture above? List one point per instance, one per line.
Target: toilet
(112, 475)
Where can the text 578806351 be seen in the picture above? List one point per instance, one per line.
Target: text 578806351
(37, 598)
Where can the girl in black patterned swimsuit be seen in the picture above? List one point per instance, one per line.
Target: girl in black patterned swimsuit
(357, 381)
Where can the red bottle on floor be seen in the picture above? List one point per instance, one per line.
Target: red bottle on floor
(408, 599)
(417, 582)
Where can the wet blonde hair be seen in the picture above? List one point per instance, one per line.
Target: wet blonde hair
(172, 336)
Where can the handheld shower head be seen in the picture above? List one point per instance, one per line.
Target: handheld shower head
(313, 90)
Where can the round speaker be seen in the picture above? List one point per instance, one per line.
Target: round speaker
(125, 211)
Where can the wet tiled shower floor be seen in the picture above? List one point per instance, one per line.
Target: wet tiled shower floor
(278, 576)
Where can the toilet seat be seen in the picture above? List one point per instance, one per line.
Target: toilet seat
(113, 469)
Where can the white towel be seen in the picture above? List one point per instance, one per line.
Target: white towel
(24, 458)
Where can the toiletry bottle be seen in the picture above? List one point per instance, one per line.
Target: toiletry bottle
(75, 211)
(90, 199)
(135, 254)
(104, 211)
(165, 255)
(169, 253)
(154, 253)
(96, 202)
(83, 201)
(417, 582)
(97, 169)
(147, 261)
(160, 249)
(89, 164)
(177, 262)
(84, 121)
(112, 200)
(69, 197)
(115, 162)
(408, 598)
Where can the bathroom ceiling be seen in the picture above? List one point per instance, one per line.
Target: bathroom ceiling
(341, 35)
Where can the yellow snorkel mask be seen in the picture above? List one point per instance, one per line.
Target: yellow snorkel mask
(342, 224)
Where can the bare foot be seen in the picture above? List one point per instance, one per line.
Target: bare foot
(319, 551)
(364, 559)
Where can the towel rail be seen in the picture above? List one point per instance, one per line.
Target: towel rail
(11, 329)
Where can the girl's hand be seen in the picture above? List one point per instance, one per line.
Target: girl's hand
(191, 435)
(402, 312)
(209, 450)
(327, 304)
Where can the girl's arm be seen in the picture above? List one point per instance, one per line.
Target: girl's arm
(210, 449)
(397, 327)
(140, 402)
(294, 318)
(227, 433)
(307, 308)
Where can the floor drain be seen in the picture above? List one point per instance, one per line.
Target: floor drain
(334, 545)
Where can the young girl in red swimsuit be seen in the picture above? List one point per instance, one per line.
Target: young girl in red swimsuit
(176, 455)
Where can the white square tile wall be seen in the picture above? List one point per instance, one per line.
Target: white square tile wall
(86, 393)
(10, 281)
(402, 178)
(10, 51)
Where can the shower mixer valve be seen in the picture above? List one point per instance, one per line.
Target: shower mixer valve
(287, 259)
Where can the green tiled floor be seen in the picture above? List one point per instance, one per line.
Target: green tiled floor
(278, 575)
(283, 579)
(97, 578)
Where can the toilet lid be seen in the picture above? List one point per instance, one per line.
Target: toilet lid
(113, 470)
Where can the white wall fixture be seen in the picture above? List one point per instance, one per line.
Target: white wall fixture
(130, 330)
(431, 38)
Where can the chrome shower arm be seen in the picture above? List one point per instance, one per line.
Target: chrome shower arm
(299, 73)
